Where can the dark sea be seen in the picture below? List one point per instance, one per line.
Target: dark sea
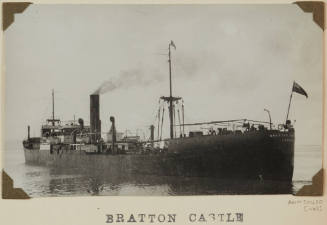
(39, 181)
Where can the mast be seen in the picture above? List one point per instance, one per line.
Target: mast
(170, 98)
(53, 119)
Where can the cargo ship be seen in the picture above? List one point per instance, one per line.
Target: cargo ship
(230, 149)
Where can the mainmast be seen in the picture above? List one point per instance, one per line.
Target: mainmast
(171, 99)
(170, 94)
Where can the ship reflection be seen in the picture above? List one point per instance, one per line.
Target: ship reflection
(78, 183)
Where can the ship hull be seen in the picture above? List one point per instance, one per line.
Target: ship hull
(257, 155)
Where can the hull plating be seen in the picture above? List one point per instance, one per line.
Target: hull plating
(259, 155)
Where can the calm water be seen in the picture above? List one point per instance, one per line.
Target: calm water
(40, 181)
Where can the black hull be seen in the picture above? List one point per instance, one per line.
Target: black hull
(267, 155)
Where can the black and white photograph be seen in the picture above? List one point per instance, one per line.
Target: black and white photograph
(162, 99)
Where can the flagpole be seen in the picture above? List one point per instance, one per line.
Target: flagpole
(289, 104)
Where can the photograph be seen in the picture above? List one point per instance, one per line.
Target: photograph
(163, 99)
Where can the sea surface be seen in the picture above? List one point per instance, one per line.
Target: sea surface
(39, 181)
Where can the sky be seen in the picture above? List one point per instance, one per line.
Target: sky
(231, 62)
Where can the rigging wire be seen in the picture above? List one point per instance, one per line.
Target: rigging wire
(174, 118)
(163, 113)
(179, 121)
(158, 120)
(183, 116)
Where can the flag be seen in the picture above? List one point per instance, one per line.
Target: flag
(172, 44)
(298, 89)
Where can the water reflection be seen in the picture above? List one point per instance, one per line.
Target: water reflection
(95, 183)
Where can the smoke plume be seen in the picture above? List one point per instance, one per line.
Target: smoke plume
(184, 66)
(127, 79)
(106, 86)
